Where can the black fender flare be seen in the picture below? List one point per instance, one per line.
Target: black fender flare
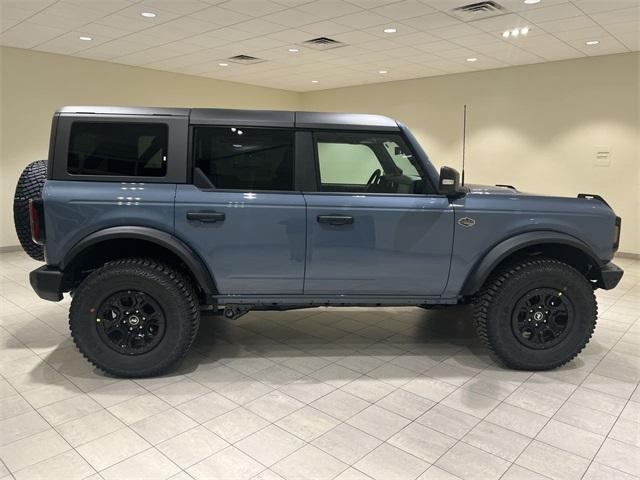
(161, 238)
(491, 259)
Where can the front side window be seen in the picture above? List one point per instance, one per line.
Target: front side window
(118, 149)
(367, 163)
(240, 158)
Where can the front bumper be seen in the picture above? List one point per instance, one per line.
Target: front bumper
(46, 281)
(610, 275)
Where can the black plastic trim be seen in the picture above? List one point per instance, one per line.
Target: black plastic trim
(47, 281)
(502, 250)
(244, 118)
(610, 275)
(191, 259)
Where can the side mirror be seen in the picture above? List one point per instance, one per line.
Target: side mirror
(450, 182)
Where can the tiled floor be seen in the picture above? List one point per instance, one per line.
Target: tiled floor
(319, 394)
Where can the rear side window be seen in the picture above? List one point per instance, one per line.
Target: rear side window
(118, 149)
(240, 158)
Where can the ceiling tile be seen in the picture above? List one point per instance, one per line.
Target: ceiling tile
(597, 6)
(404, 9)
(326, 9)
(255, 8)
(361, 20)
(432, 20)
(28, 35)
(572, 23)
(544, 14)
(220, 16)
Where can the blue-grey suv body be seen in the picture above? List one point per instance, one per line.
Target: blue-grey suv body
(149, 214)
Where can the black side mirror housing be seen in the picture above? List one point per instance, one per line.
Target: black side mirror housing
(449, 184)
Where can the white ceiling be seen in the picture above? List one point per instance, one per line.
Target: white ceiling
(194, 36)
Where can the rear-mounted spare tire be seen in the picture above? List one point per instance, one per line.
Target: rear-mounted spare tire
(29, 187)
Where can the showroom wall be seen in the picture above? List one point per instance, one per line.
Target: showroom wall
(537, 127)
(34, 84)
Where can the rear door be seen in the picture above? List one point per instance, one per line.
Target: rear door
(241, 213)
(375, 226)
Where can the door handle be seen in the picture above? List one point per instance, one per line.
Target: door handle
(206, 217)
(335, 219)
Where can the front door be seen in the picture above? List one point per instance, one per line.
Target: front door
(242, 215)
(375, 227)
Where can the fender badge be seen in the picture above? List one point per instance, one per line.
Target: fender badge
(467, 222)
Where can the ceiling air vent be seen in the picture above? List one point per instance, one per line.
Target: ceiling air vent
(478, 11)
(323, 43)
(245, 59)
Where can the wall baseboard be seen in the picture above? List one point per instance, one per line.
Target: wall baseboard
(633, 256)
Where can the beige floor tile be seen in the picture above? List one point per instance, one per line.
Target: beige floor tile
(497, 440)
(347, 443)
(570, 439)
(138, 408)
(181, 391)
(340, 404)
(469, 463)
(69, 409)
(406, 404)
(150, 464)
(368, 389)
(309, 463)
(236, 424)
(516, 472)
(307, 389)
(307, 423)
(274, 406)
(552, 462)
(599, 401)
(115, 393)
(470, 403)
(270, 445)
(206, 407)
(619, 455)
(626, 431)
(34, 449)
(422, 442)
(542, 403)
(378, 422)
(390, 463)
(192, 446)
(12, 406)
(352, 474)
(585, 418)
(335, 375)
(449, 421)
(597, 471)
(243, 391)
(112, 448)
(68, 466)
(162, 426)
(436, 473)
(430, 388)
(89, 427)
(228, 464)
(21, 426)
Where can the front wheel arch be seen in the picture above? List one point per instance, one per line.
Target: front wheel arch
(556, 245)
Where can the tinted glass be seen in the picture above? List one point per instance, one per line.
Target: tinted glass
(368, 163)
(245, 158)
(118, 149)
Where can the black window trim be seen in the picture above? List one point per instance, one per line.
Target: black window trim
(317, 189)
(176, 152)
(192, 160)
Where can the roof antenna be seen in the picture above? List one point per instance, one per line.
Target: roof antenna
(464, 139)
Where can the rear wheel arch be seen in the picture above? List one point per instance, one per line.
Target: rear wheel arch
(114, 243)
(550, 244)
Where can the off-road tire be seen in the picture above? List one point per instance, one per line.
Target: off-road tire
(170, 289)
(29, 187)
(494, 306)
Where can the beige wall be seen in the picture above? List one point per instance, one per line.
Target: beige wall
(536, 127)
(34, 84)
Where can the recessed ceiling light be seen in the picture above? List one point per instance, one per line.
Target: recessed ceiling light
(592, 42)
(148, 14)
(223, 64)
(472, 59)
(85, 38)
(516, 32)
(390, 30)
(314, 81)
(382, 71)
(531, 2)
(294, 50)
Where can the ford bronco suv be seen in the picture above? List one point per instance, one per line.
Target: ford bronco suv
(149, 215)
